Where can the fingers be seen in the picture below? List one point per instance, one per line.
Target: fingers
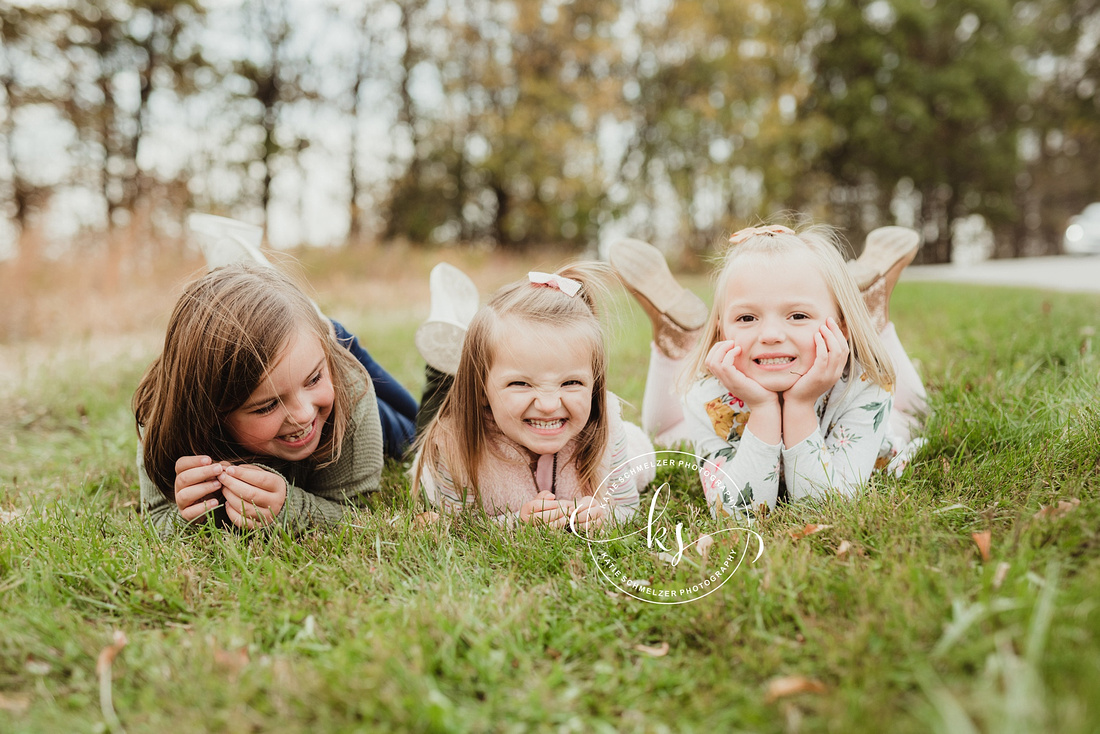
(239, 509)
(196, 510)
(252, 495)
(721, 355)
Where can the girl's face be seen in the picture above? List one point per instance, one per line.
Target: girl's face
(774, 305)
(284, 415)
(540, 385)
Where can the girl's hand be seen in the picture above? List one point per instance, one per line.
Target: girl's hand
(828, 366)
(253, 496)
(590, 513)
(720, 360)
(197, 488)
(544, 509)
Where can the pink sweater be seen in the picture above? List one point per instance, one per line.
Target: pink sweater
(507, 480)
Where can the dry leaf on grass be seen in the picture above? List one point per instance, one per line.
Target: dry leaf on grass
(843, 548)
(810, 529)
(1064, 507)
(790, 685)
(1000, 574)
(17, 703)
(657, 651)
(103, 669)
(983, 540)
(703, 544)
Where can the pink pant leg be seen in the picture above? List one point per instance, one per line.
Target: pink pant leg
(910, 399)
(662, 413)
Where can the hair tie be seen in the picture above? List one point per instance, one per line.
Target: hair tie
(550, 280)
(771, 231)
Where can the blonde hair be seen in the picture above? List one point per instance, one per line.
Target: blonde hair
(227, 330)
(822, 246)
(458, 434)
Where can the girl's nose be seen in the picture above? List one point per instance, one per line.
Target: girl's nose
(299, 413)
(547, 401)
(771, 334)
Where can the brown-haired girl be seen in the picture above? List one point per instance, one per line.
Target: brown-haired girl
(254, 414)
(529, 430)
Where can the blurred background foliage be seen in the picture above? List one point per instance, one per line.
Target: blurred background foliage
(530, 123)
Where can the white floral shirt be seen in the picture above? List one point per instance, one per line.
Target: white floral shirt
(739, 471)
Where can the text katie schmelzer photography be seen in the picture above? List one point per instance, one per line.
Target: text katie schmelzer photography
(648, 558)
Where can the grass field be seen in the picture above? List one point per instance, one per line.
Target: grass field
(891, 618)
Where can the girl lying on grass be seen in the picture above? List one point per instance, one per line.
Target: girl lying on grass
(792, 380)
(529, 430)
(256, 413)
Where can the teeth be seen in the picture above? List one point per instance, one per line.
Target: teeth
(547, 424)
(775, 360)
(292, 437)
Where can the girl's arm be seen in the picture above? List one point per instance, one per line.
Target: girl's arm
(739, 470)
(840, 459)
(621, 491)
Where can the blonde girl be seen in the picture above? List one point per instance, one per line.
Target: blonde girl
(529, 431)
(254, 415)
(790, 386)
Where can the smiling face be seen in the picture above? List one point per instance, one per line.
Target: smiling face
(284, 415)
(774, 305)
(540, 385)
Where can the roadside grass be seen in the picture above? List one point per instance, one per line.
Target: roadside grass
(887, 619)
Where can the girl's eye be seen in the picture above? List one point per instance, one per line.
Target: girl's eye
(745, 318)
(315, 379)
(799, 316)
(570, 383)
(266, 408)
(517, 383)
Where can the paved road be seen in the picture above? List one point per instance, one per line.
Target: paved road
(1060, 272)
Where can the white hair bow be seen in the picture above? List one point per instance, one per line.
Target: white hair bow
(566, 285)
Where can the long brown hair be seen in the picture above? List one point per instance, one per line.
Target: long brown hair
(226, 331)
(458, 432)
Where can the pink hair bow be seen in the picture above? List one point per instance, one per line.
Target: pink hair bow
(550, 280)
(771, 230)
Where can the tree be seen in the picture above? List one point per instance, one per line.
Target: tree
(511, 154)
(920, 90)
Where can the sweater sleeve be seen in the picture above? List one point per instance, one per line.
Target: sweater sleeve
(158, 511)
(840, 458)
(738, 470)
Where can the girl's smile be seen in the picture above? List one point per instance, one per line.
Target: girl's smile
(284, 416)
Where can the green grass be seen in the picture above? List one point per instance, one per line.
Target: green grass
(466, 627)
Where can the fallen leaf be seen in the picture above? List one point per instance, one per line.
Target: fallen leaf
(553, 653)
(808, 530)
(1064, 507)
(843, 548)
(107, 654)
(790, 685)
(703, 544)
(983, 540)
(1000, 574)
(231, 660)
(16, 704)
(658, 651)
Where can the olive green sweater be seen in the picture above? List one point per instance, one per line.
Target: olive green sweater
(315, 497)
